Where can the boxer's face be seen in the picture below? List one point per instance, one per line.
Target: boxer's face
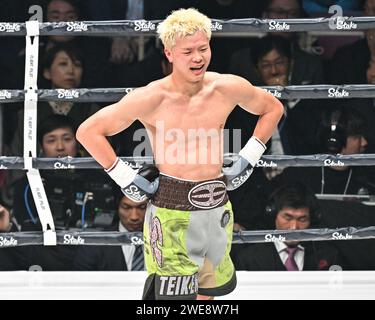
(273, 69)
(59, 143)
(132, 214)
(190, 56)
(64, 72)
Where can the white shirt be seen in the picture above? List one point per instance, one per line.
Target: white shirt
(128, 249)
(276, 146)
(299, 256)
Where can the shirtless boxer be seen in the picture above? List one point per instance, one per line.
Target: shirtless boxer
(188, 224)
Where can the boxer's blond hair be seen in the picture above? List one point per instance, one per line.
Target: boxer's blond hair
(181, 23)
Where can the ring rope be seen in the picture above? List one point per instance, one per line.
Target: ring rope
(271, 161)
(30, 134)
(115, 94)
(142, 27)
(113, 238)
(232, 26)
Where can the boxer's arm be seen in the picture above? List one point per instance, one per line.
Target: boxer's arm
(110, 120)
(269, 109)
(257, 101)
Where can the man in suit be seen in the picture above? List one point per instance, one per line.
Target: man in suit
(116, 258)
(291, 207)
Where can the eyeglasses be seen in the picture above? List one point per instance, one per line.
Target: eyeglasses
(279, 13)
(278, 64)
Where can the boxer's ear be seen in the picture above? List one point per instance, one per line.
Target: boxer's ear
(168, 54)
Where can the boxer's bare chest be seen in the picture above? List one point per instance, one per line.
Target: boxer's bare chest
(204, 111)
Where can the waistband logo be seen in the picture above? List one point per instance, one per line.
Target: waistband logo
(10, 27)
(207, 195)
(5, 94)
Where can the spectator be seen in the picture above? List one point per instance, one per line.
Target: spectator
(291, 207)
(342, 70)
(64, 188)
(63, 68)
(125, 49)
(322, 6)
(116, 258)
(342, 131)
(95, 50)
(273, 61)
(224, 47)
(363, 52)
(56, 135)
(307, 68)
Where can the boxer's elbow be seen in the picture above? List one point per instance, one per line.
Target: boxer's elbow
(278, 108)
(83, 132)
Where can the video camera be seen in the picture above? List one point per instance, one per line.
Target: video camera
(80, 198)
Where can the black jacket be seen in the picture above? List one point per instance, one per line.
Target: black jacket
(264, 257)
(100, 258)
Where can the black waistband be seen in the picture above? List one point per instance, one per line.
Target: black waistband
(186, 195)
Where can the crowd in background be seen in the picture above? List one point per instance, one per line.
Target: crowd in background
(342, 126)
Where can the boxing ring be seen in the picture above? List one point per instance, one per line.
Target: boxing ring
(128, 285)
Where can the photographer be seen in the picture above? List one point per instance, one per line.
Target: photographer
(66, 192)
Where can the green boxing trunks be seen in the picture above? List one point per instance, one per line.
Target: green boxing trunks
(188, 235)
